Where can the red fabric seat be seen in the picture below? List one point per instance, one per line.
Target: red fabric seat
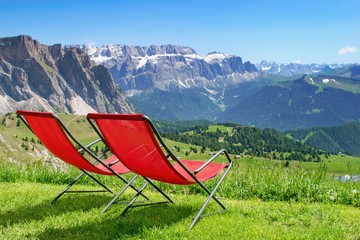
(131, 139)
(52, 135)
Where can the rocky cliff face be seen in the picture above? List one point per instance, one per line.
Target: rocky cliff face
(39, 77)
(169, 67)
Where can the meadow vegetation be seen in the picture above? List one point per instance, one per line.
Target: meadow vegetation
(267, 198)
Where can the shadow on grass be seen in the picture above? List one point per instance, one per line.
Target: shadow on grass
(134, 224)
(64, 205)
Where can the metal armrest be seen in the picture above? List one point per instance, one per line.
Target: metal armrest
(90, 144)
(212, 159)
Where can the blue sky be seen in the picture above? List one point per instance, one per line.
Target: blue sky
(306, 31)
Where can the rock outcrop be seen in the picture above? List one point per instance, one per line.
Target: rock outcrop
(51, 78)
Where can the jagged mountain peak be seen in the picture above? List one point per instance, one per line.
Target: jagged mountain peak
(297, 69)
(119, 51)
(168, 67)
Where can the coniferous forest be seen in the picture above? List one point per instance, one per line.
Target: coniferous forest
(240, 140)
(344, 138)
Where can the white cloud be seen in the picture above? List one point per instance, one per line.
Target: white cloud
(346, 50)
(298, 61)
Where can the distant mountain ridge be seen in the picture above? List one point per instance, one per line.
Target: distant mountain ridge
(298, 69)
(39, 77)
(309, 101)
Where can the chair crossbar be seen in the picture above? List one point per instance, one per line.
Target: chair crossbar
(85, 191)
(132, 202)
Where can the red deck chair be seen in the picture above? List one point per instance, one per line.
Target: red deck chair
(57, 138)
(134, 139)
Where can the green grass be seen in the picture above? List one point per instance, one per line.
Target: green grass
(222, 128)
(249, 179)
(266, 198)
(338, 165)
(26, 213)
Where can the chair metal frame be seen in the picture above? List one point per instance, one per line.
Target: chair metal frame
(171, 156)
(82, 148)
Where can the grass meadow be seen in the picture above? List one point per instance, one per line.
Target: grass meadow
(27, 214)
(266, 199)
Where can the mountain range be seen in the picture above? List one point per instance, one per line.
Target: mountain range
(171, 82)
(175, 83)
(169, 67)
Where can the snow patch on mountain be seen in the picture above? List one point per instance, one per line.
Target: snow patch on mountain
(328, 80)
(170, 67)
(214, 56)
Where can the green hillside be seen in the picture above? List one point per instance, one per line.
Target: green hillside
(344, 138)
(303, 103)
(19, 147)
(329, 81)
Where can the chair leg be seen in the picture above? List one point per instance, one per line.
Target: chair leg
(121, 192)
(100, 183)
(132, 186)
(159, 190)
(131, 203)
(74, 181)
(67, 188)
(133, 200)
(128, 184)
(211, 196)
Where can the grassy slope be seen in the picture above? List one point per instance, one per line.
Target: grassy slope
(346, 84)
(78, 125)
(26, 213)
(338, 165)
